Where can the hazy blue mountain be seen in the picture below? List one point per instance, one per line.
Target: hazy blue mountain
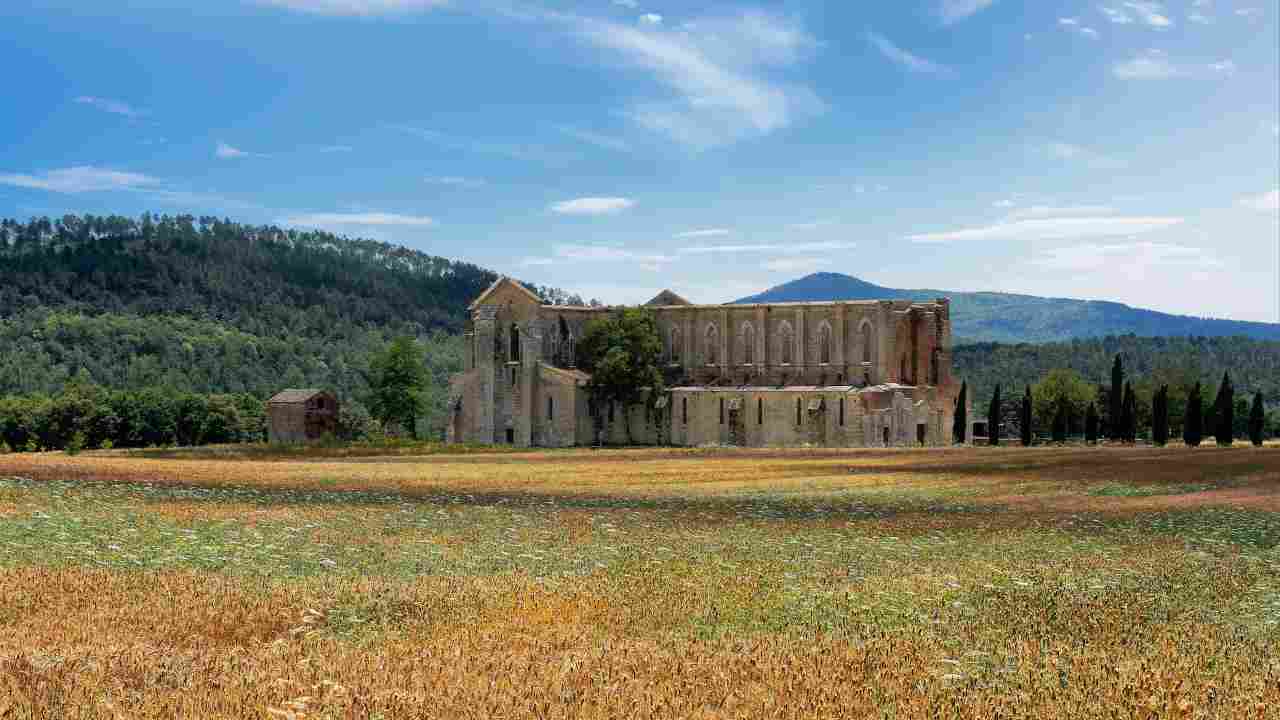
(1004, 317)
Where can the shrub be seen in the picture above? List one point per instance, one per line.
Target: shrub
(75, 443)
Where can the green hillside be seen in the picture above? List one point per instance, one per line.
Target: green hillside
(1007, 318)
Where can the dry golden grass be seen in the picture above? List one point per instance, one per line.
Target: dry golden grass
(1040, 583)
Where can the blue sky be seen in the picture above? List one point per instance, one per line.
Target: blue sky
(1108, 150)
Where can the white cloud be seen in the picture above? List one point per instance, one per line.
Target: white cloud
(608, 142)
(1149, 67)
(1151, 13)
(601, 253)
(710, 232)
(592, 206)
(796, 264)
(367, 219)
(1266, 202)
(1044, 211)
(1057, 228)
(516, 151)
(1090, 257)
(356, 7)
(115, 107)
(1078, 154)
(336, 149)
(1115, 15)
(1074, 25)
(1155, 65)
(80, 179)
(454, 181)
(767, 247)
(1249, 12)
(953, 11)
(1199, 18)
(811, 225)
(1003, 203)
(912, 62)
(227, 152)
(631, 4)
(650, 19)
(716, 68)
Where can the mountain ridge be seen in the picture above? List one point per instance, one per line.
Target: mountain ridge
(1013, 318)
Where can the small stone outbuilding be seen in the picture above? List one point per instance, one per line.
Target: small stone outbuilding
(299, 416)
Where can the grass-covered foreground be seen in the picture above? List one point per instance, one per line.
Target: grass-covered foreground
(959, 583)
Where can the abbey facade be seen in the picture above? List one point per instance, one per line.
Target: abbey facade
(871, 373)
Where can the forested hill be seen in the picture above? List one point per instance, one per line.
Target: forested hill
(1003, 317)
(262, 280)
(206, 305)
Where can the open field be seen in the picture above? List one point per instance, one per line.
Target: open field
(1113, 582)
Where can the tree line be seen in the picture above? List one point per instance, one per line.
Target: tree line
(1063, 404)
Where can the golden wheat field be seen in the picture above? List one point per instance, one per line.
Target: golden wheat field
(982, 583)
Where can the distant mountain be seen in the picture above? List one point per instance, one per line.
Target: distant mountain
(1004, 317)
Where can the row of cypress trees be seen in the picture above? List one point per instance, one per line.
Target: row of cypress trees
(1123, 405)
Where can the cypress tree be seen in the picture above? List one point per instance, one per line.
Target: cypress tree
(1060, 423)
(1125, 418)
(1115, 427)
(1192, 428)
(1256, 420)
(1225, 415)
(1160, 416)
(1025, 419)
(958, 430)
(993, 417)
(1091, 425)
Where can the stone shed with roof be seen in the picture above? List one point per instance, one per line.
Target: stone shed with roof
(299, 416)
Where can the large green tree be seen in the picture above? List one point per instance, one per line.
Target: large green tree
(397, 384)
(623, 352)
(1061, 390)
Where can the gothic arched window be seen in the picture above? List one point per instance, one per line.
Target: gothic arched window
(748, 344)
(513, 349)
(675, 343)
(868, 343)
(824, 344)
(787, 338)
(712, 344)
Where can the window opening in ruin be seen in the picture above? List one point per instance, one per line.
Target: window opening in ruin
(684, 410)
(798, 418)
(721, 411)
(759, 411)
(551, 408)
(514, 349)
